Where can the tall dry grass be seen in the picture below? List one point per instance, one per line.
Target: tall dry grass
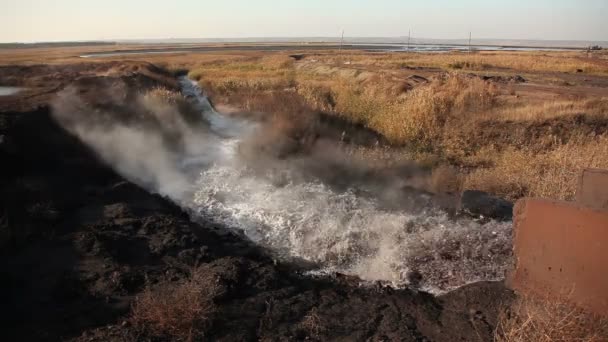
(177, 310)
(532, 319)
(416, 117)
(514, 173)
(274, 72)
(525, 149)
(545, 110)
(421, 115)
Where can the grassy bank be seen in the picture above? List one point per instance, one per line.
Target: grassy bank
(549, 319)
(497, 138)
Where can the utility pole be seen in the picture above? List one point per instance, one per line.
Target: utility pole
(470, 36)
(340, 51)
(409, 37)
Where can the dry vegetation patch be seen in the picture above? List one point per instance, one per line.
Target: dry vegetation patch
(179, 310)
(547, 62)
(249, 75)
(545, 110)
(549, 320)
(553, 173)
(491, 138)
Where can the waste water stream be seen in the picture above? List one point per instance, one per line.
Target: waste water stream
(338, 230)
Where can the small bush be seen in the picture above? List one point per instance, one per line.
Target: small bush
(180, 310)
(165, 95)
(549, 320)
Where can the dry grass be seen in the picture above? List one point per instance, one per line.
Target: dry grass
(273, 72)
(179, 310)
(438, 122)
(552, 109)
(549, 320)
(164, 95)
(415, 116)
(548, 62)
(552, 174)
(420, 116)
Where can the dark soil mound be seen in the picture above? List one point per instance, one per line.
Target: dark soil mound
(79, 244)
(42, 82)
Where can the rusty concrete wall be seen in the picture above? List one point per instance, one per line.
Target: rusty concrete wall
(561, 249)
(593, 189)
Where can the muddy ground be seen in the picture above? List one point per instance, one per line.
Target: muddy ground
(79, 243)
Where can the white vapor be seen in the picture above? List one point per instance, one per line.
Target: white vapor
(340, 230)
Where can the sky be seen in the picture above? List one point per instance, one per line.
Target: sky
(67, 20)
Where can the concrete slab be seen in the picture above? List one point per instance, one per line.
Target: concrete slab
(593, 189)
(561, 249)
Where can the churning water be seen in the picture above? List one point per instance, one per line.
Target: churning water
(284, 204)
(338, 230)
(6, 91)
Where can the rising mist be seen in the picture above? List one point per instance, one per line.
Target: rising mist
(315, 201)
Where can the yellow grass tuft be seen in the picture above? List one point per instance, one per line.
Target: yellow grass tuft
(537, 111)
(164, 95)
(549, 320)
(552, 174)
(178, 310)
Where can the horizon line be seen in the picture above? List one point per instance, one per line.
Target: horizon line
(287, 38)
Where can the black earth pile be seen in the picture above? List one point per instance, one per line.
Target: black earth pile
(79, 244)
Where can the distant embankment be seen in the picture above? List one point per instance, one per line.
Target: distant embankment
(51, 45)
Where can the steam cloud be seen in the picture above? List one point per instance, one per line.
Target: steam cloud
(322, 206)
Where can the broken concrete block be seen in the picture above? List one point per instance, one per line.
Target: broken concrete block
(561, 249)
(593, 189)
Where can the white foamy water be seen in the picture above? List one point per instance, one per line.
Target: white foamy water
(338, 230)
(7, 91)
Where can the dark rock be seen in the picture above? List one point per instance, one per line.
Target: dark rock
(478, 203)
(414, 278)
(418, 79)
(297, 57)
(518, 79)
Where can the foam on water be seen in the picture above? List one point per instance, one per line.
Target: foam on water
(340, 231)
(345, 233)
(7, 91)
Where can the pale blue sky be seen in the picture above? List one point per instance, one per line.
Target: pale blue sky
(51, 20)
